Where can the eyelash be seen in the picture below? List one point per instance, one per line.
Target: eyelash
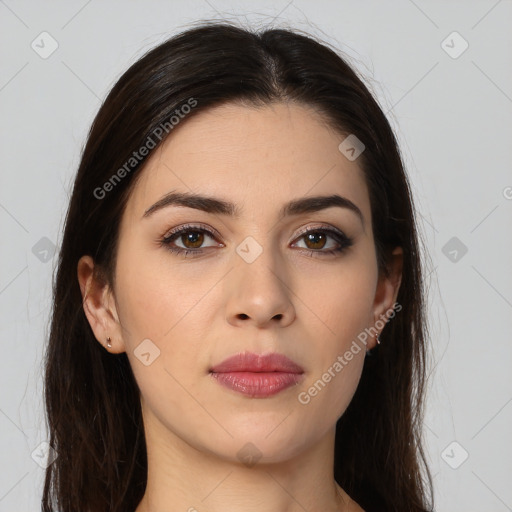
(344, 241)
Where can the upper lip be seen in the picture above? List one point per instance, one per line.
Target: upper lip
(250, 362)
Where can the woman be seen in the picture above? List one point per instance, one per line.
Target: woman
(238, 317)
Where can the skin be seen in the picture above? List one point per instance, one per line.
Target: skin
(198, 311)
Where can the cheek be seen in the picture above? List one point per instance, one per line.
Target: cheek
(340, 301)
(340, 306)
(157, 303)
(169, 307)
(334, 384)
(154, 296)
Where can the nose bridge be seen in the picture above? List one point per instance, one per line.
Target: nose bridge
(261, 259)
(260, 288)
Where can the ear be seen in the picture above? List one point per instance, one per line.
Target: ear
(387, 292)
(99, 305)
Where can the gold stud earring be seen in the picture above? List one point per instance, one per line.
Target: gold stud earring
(109, 345)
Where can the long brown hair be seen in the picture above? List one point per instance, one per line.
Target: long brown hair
(92, 400)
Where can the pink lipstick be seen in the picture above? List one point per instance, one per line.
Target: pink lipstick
(257, 376)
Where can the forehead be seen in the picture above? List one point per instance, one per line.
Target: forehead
(252, 156)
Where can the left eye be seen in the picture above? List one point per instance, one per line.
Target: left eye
(319, 237)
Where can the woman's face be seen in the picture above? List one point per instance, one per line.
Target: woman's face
(257, 284)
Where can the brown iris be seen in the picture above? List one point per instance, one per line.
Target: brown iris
(194, 237)
(314, 238)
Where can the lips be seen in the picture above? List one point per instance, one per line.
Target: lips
(249, 362)
(257, 376)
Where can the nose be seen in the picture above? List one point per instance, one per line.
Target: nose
(260, 293)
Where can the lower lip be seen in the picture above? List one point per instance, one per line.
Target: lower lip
(257, 385)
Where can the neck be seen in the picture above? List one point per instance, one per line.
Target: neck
(184, 478)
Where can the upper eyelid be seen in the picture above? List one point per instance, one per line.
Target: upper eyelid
(322, 227)
(191, 227)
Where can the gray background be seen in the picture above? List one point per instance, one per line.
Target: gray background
(452, 114)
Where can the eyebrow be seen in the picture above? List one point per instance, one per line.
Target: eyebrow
(309, 204)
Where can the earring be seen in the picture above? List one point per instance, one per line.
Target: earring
(109, 345)
(369, 352)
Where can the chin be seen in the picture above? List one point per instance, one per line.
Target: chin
(262, 442)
